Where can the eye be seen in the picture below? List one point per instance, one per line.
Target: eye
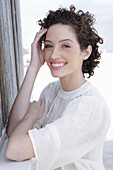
(47, 46)
(66, 46)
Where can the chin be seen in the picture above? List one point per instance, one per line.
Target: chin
(56, 75)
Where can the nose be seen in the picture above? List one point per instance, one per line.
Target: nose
(55, 54)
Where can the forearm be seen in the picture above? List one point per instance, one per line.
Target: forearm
(22, 100)
(21, 103)
(19, 145)
(22, 128)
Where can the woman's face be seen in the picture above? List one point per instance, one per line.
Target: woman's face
(62, 51)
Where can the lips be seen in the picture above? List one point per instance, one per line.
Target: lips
(57, 65)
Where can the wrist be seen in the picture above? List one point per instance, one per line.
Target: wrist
(33, 68)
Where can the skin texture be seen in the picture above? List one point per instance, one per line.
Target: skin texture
(57, 50)
(61, 45)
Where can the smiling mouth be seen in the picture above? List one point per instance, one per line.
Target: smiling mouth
(57, 65)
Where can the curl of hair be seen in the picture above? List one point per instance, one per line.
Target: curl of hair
(82, 24)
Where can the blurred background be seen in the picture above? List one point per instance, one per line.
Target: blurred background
(32, 11)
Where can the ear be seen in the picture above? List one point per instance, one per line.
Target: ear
(87, 52)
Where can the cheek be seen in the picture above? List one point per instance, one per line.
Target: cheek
(46, 55)
(69, 55)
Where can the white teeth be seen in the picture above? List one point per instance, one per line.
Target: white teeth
(58, 65)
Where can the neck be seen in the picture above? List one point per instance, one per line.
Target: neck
(72, 83)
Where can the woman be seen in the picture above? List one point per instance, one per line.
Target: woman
(67, 127)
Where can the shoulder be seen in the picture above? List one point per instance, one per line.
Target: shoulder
(49, 91)
(90, 100)
(51, 87)
(89, 106)
(92, 95)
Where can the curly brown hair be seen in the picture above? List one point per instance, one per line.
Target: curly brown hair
(82, 23)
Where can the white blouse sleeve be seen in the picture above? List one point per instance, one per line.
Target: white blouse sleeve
(83, 125)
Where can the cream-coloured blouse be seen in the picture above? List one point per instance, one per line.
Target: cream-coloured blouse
(71, 133)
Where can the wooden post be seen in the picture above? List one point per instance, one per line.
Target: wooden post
(11, 58)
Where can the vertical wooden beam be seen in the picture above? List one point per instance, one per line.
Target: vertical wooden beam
(16, 22)
(11, 58)
(3, 117)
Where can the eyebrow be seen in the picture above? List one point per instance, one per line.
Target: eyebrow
(60, 40)
(66, 40)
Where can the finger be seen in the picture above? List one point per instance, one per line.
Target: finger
(40, 31)
(39, 35)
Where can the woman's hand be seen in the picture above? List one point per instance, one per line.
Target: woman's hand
(36, 110)
(37, 54)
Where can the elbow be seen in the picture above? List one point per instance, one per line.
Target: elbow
(13, 153)
(10, 155)
(13, 156)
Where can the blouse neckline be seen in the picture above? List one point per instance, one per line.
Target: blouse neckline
(69, 95)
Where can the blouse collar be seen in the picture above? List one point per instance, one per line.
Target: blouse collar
(69, 95)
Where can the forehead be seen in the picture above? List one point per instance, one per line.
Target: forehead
(60, 31)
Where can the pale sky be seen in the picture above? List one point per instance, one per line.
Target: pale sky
(33, 10)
